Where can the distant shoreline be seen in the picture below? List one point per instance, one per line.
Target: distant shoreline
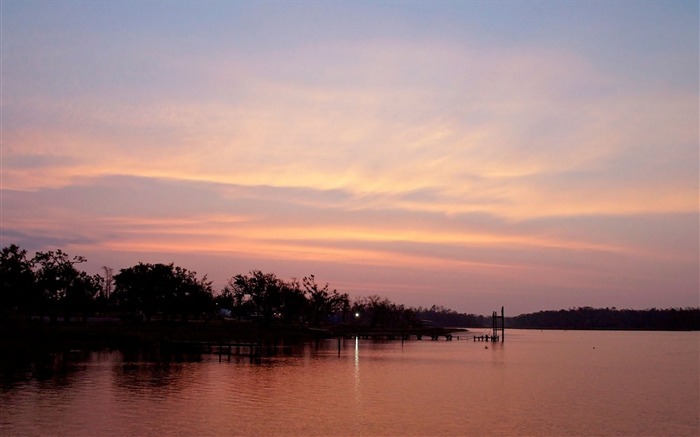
(26, 337)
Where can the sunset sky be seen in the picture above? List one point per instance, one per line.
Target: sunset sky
(536, 155)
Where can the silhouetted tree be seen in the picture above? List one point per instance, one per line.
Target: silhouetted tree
(162, 288)
(108, 282)
(444, 317)
(374, 310)
(81, 293)
(56, 274)
(322, 302)
(293, 302)
(260, 291)
(408, 317)
(136, 289)
(191, 296)
(103, 300)
(224, 300)
(18, 292)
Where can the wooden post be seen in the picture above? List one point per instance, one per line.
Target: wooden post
(494, 334)
(503, 325)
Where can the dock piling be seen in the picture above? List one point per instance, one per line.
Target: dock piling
(495, 327)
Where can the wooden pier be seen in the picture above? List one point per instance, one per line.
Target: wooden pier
(433, 333)
(495, 327)
(221, 348)
(379, 335)
(493, 338)
(256, 349)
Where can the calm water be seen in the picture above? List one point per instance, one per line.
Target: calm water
(538, 383)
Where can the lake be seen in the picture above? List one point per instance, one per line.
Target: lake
(545, 383)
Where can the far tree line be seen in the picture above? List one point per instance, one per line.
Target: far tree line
(51, 286)
(670, 319)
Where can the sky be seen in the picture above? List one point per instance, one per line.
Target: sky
(469, 154)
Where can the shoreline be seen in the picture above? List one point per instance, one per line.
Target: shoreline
(25, 336)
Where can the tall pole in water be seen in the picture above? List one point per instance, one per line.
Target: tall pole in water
(503, 325)
(494, 326)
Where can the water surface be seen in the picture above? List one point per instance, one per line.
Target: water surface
(538, 383)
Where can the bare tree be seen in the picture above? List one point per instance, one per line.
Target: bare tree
(108, 284)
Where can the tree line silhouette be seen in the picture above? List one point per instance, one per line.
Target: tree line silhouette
(50, 286)
(671, 319)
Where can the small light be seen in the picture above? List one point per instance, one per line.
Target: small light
(357, 314)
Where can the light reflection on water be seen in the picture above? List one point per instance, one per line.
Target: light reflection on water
(538, 383)
(358, 397)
